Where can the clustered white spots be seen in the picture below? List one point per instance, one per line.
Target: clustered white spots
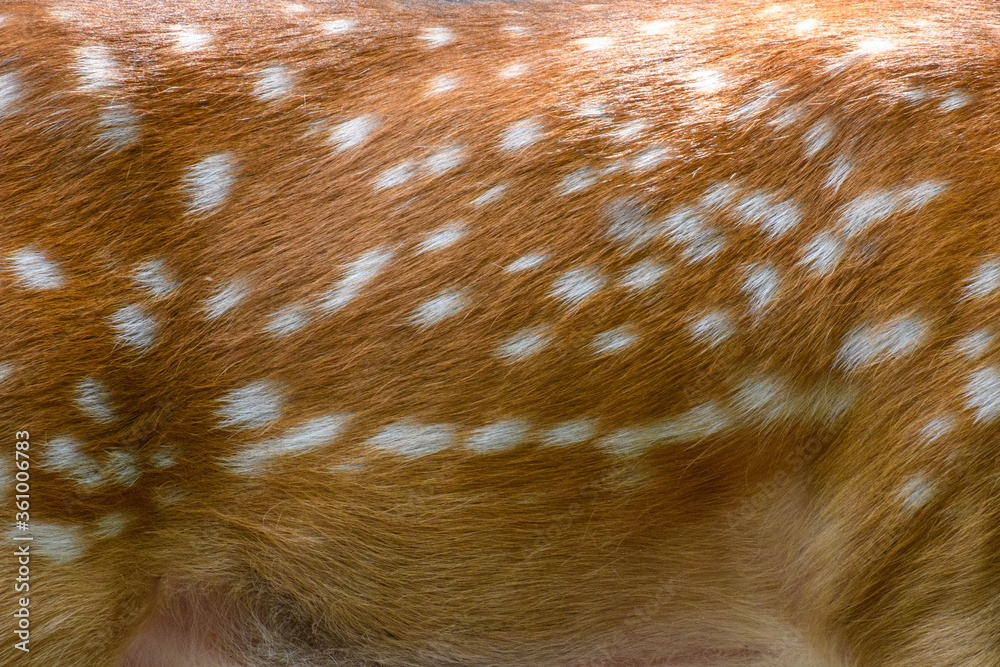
(437, 36)
(521, 134)
(306, 437)
(92, 398)
(711, 328)
(983, 281)
(442, 237)
(500, 435)
(357, 274)
(352, 133)
(760, 284)
(445, 304)
(153, 277)
(880, 343)
(209, 181)
(524, 343)
(982, 393)
(133, 327)
(227, 297)
(614, 340)
(576, 285)
(252, 406)
(526, 262)
(272, 83)
(10, 93)
(35, 271)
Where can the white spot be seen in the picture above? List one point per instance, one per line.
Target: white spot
(153, 277)
(937, 428)
(573, 287)
(444, 160)
(64, 455)
(111, 525)
(805, 27)
(442, 238)
(443, 83)
(983, 281)
(92, 398)
(119, 125)
(762, 398)
(272, 83)
(914, 95)
(974, 345)
(498, 436)
(822, 254)
(308, 436)
(877, 343)
(818, 136)
(62, 544)
(134, 327)
(122, 467)
(338, 26)
(915, 493)
(524, 343)
(571, 432)
(656, 27)
(579, 179)
(188, 39)
(877, 205)
(629, 131)
(396, 176)
(10, 93)
(252, 406)
(352, 133)
(614, 340)
(774, 217)
(517, 30)
(521, 134)
(96, 69)
(955, 100)
(760, 284)
(593, 43)
(209, 181)
(642, 275)
(287, 320)
(447, 303)
(982, 393)
(694, 425)
(513, 70)
(839, 170)
(788, 116)
(711, 328)
(526, 262)
(167, 495)
(627, 223)
(648, 158)
(225, 299)
(766, 93)
(295, 8)
(35, 271)
(164, 457)
(6, 370)
(437, 36)
(489, 196)
(875, 45)
(687, 226)
(706, 81)
(720, 195)
(409, 438)
(356, 276)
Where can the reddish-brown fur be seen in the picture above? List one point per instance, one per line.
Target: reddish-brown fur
(791, 458)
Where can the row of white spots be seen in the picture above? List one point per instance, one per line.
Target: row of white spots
(532, 340)
(63, 543)
(98, 72)
(66, 456)
(305, 437)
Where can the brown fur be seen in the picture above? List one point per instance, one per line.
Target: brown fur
(822, 528)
